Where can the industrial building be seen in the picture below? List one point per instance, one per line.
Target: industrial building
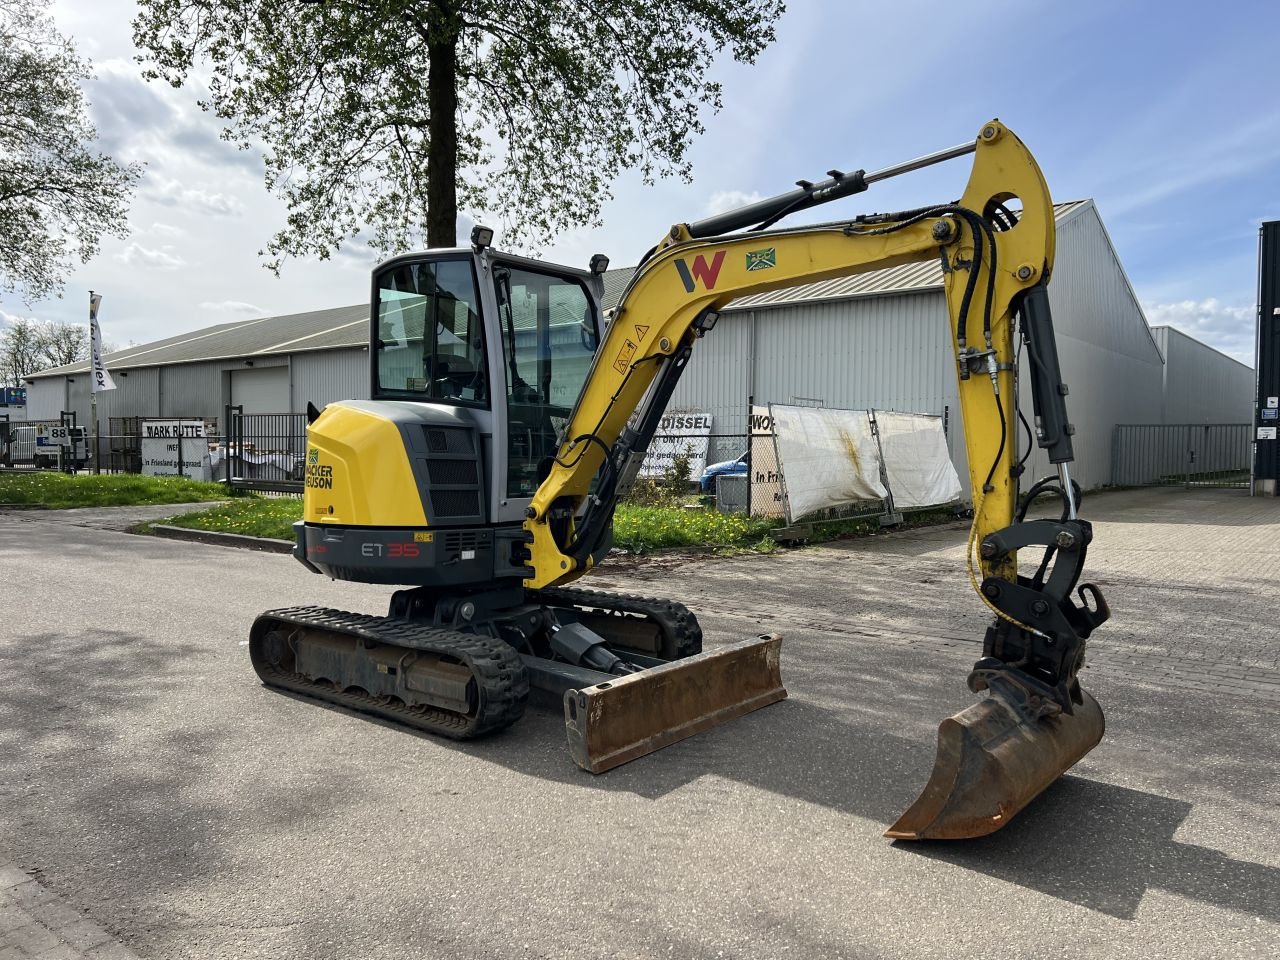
(879, 340)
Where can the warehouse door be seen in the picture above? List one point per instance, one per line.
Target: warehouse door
(264, 390)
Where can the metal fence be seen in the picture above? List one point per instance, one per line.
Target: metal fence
(265, 452)
(23, 447)
(1181, 454)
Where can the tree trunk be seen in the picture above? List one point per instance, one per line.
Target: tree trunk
(442, 152)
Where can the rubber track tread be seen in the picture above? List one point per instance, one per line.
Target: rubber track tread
(675, 619)
(501, 680)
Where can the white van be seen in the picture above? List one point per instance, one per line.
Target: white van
(23, 450)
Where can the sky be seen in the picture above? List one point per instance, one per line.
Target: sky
(1167, 114)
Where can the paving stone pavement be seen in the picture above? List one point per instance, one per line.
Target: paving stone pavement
(34, 923)
(155, 788)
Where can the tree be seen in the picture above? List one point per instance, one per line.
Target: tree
(393, 114)
(57, 197)
(28, 346)
(62, 343)
(20, 351)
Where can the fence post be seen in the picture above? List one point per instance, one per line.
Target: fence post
(751, 430)
(1186, 463)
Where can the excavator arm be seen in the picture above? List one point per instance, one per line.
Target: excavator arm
(676, 294)
(1035, 721)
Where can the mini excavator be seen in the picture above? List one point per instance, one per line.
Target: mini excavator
(507, 420)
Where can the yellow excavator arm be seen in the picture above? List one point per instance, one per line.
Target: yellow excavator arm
(1035, 721)
(676, 293)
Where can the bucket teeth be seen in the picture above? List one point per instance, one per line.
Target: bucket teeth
(617, 721)
(991, 763)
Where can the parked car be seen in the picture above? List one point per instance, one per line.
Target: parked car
(730, 468)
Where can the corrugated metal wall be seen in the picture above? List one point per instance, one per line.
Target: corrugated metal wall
(46, 398)
(137, 394)
(327, 375)
(887, 352)
(200, 390)
(1202, 385)
(718, 378)
(1110, 361)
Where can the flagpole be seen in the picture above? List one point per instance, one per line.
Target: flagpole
(93, 393)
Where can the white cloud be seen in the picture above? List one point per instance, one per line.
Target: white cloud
(233, 306)
(167, 230)
(1226, 328)
(171, 193)
(723, 200)
(136, 255)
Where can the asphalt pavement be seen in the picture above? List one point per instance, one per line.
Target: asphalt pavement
(149, 783)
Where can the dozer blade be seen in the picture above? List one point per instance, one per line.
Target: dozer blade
(619, 720)
(991, 763)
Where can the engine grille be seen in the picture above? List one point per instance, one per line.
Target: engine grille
(453, 472)
(455, 503)
(449, 440)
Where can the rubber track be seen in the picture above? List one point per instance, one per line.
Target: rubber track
(676, 619)
(501, 681)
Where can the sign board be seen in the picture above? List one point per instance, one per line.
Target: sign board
(1266, 433)
(57, 442)
(1273, 402)
(173, 447)
(1271, 413)
(680, 432)
(766, 478)
(49, 437)
(14, 397)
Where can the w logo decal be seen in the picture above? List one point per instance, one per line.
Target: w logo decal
(701, 270)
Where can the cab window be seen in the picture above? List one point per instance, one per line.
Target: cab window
(430, 339)
(549, 337)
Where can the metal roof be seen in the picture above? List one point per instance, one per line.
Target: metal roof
(293, 333)
(341, 327)
(925, 275)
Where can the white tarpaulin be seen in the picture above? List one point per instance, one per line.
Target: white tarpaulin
(917, 460)
(828, 458)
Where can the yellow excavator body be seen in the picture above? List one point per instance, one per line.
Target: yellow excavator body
(507, 421)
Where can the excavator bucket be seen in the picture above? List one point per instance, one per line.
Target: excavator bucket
(619, 720)
(991, 763)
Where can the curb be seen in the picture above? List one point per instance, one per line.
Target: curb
(264, 544)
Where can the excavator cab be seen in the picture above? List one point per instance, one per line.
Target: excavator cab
(506, 421)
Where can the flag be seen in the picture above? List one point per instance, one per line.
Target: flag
(101, 378)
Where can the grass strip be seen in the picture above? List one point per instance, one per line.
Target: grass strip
(59, 491)
(271, 517)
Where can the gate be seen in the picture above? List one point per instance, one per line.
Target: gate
(264, 451)
(120, 451)
(1181, 454)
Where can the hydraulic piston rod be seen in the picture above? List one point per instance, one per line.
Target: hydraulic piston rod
(808, 195)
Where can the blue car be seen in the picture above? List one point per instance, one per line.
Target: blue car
(729, 468)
